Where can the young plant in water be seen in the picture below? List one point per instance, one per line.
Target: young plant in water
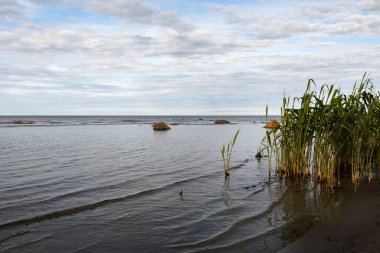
(227, 153)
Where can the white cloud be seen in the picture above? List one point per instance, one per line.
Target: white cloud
(311, 20)
(138, 12)
(11, 9)
(229, 57)
(370, 5)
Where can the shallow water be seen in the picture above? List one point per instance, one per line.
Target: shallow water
(80, 186)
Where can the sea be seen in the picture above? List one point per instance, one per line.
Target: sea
(112, 184)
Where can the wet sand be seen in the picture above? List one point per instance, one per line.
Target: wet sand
(353, 225)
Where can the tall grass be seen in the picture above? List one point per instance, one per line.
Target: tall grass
(325, 132)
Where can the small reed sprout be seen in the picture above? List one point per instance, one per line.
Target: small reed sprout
(325, 133)
(227, 153)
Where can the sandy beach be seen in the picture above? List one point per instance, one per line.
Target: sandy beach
(353, 226)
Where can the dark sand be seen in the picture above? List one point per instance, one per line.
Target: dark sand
(353, 225)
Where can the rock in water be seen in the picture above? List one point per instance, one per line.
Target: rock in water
(258, 155)
(160, 126)
(222, 121)
(272, 124)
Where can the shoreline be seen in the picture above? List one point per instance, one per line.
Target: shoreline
(353, 225)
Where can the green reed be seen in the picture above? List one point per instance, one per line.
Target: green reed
(227, 153)
(325, 132)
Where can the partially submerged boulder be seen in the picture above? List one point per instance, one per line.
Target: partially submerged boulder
(160, 126)
(23, 122)
(221, 121)
(272, 124)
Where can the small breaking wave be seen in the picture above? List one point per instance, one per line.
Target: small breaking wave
(231, 228)
(91, 206)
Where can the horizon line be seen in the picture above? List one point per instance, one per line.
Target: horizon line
(141, 115)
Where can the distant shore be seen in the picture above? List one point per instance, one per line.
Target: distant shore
(354, 227)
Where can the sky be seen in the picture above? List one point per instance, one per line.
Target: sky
(167, 57)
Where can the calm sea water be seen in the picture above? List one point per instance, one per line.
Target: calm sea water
(111, 184)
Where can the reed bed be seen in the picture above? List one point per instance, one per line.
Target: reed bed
(325, 133)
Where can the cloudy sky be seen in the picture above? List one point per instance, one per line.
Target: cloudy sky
(168, 57)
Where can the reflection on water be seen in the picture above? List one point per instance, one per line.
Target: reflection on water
(307, 202)
(115, 188)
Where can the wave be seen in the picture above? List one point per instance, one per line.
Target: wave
(117, 185)
(274, 233)
(66, 212)
(36, 240)
(230, 212)
(13, 236)
(219, 212)
(91, 206)
(217, 237)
